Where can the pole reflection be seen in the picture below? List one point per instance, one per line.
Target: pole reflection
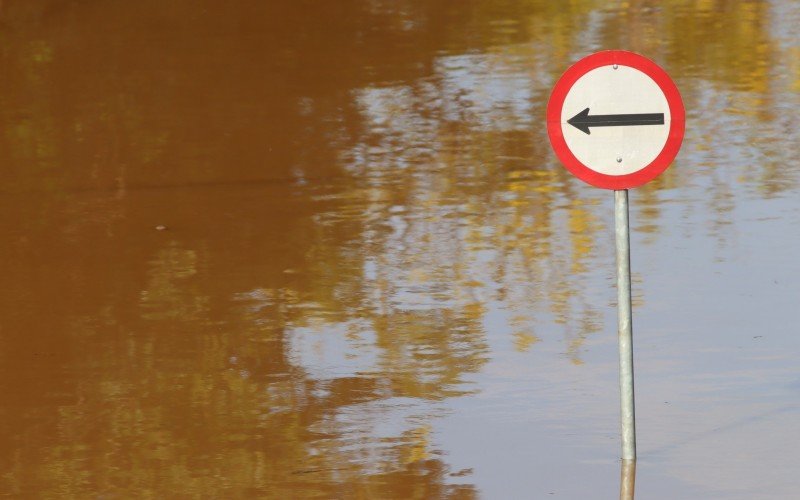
(627, 479)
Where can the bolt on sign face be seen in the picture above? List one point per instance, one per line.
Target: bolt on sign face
(615, 119)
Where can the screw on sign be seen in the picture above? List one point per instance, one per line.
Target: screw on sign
(616, 121)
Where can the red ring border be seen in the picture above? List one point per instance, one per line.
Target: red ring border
(676, 109)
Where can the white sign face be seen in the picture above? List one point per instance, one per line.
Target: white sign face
(627, 123)
(615, 119)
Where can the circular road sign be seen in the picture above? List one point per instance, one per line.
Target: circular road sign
(615, 119)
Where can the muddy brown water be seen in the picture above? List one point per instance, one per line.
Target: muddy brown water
(297, 249)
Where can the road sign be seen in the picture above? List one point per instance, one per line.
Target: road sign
(615, 119)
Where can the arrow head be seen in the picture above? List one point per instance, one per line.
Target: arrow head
(581, 121)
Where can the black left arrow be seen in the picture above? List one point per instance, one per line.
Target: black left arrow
(582, 121)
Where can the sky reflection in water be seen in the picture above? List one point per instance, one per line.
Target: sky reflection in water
(374, 279)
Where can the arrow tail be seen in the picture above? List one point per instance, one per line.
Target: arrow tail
(626, 120)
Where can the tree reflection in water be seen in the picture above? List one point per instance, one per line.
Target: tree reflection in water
(349, 190)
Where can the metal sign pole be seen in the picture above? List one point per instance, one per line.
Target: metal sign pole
(604, 82)
(625, 324)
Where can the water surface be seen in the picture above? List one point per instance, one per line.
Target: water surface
(301, 249)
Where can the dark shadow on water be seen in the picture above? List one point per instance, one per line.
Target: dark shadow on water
(723, 428)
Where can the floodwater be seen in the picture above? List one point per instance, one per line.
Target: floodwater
(296, 249)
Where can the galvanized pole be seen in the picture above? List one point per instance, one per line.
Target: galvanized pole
(625, 324)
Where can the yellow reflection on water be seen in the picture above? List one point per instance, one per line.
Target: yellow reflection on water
(257, 250)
